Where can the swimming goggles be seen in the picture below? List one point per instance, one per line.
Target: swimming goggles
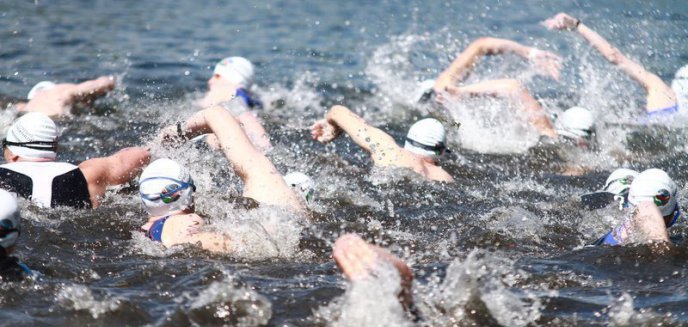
(170, 193)
(438, 149)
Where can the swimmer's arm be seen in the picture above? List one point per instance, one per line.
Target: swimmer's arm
(660, 95)
(116, 169)
(515, 91)
(254, 130)
(377, 143)
(462, 65)
(262, 181)
(93, 89)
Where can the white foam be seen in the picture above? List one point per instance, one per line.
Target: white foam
(370, 301)
(80, 297)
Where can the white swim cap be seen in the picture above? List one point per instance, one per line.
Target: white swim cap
(426, 137)
(237, 70)
(165, 187)
(576, 123)
(424, 90)
(680, 85)
(9, 220)
(33, 136)
(619, 181)
(40, 86)
(301, 183)
(654, 185)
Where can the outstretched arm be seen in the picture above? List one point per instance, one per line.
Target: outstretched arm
(515, 91)
(90, 90)
(659, 94)
(462, 65)
(116, 169)
(262, 181)
(377, 143)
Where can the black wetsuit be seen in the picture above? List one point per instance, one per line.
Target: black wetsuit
(48, 184)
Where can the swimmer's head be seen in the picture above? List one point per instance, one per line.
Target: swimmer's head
(578, 125)
(655, 185)
(9, 222)
(680, 85)
(32, 137)
(302, 184)
(424, 91)
(619, 181)
(427, 137)
(40, 86)
(166, 187)
(237, 70)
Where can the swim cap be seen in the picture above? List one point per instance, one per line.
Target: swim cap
(33, 136)
(576, 123)
(424, 91)
(680, 85)
(301, 183)
(40, 86)
(619, 181)
(655, 185)
(9, 220)
(165, 186)
(237, 70)
(426, 137)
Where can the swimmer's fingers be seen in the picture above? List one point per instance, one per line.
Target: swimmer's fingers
(323, 132)
(560, 22)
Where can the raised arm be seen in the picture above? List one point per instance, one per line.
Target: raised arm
(463, 64)
(262, 181)
(93, 89)
(377, 143)
(659, 94)
(116, 169)
(513, 90)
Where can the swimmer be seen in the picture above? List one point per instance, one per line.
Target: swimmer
(358, 260)
(229, 86)
(615, 190)
(58, 99)
(653, 201)
(30, 171)
(661, 99)
(425, 142)
(262, 181)
(10, 267)
(166, 190)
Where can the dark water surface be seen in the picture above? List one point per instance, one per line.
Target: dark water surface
(501, 246)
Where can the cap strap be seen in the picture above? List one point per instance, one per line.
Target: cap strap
(35, 145)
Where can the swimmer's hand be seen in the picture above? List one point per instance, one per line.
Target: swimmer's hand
(561, 21)
(323, 131)
(547, 63)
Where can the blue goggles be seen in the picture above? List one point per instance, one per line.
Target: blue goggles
(170, 192)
